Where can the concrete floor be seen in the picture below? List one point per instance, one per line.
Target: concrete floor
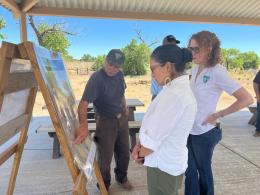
(236, 164)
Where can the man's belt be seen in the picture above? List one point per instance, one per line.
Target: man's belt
(118, 116)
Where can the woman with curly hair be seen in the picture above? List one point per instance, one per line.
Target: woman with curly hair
(208, 80)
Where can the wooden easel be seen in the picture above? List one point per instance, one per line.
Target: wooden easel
(7, 83)
(11, 83)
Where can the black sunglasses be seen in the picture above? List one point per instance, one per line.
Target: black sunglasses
(194, 49)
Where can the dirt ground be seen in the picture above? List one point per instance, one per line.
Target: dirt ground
(139, 87)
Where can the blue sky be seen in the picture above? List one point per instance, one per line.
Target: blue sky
(98, 36)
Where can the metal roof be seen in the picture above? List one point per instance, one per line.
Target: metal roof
(211, 11)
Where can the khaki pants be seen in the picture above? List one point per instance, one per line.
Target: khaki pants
(162, 183)
(112, 137)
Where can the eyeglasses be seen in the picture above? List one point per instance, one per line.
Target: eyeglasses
(194, 49)
(154, 66)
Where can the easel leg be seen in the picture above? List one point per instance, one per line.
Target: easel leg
(101, 183)
(22, 141)
(80, 185)
(15, 167)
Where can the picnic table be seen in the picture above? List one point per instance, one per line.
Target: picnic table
(134, 126)
(252, 108)
(131, 103)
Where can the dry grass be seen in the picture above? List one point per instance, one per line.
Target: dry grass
(245, 78)
(139, 87)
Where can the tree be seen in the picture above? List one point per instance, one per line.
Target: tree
(99, 62)
(229, 57)
(238, 63)
(52, 37)
(234, 59)
(87, 58)
(136, 58)
(250, 60)
(2, 25)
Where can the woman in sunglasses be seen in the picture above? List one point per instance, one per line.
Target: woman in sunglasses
(208, 80)
(167, 122)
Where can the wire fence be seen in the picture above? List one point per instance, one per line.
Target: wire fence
(79, 71)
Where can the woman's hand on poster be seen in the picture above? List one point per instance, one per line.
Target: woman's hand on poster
(81, 134)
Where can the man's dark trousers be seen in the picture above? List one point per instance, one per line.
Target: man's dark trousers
(112, 136)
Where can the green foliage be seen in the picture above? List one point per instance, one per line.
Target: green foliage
(67, 57)
(234, 59)
(54, 40)
(2, 25)
(237, 64)
(99, 62)
(250, 60)
(88, 58)
(229, 57)
(137, 58)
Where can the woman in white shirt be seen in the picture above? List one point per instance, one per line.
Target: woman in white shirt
(208, 80)
(167, 122)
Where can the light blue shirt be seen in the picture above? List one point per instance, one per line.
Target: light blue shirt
(155, 88)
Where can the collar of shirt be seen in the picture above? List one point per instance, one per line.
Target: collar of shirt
(180, 79)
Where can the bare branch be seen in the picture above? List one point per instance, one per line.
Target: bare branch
(58, 24)
(140, 37)
(39, 37)
(50, 30)
(68, 33)
(153, 43)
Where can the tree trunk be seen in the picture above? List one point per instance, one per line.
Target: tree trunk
(38, 35)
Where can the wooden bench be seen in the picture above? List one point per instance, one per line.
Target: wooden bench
(253, 110)
(134, 127)
(91, 115)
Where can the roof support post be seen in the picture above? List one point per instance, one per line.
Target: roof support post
(23, 29)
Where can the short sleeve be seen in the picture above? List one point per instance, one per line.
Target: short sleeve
(225, 82)
(91, 90)
(257, 78)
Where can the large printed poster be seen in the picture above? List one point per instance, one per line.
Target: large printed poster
(56, 79)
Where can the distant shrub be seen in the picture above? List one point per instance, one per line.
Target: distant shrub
(99, 62)
(137, 58)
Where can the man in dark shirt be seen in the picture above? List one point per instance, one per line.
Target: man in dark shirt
(106, 89)
(257, 93)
